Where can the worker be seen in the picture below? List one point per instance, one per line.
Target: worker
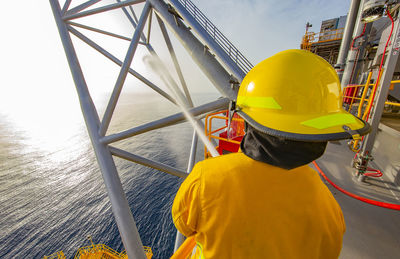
(265, 201)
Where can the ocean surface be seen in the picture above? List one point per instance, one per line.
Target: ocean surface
(52, 195)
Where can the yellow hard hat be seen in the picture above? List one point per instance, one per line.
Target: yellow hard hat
(295, 94)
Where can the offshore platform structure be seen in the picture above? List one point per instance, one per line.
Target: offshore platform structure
(220, 61)
(367, 65)
(327, 42)
(222, 64)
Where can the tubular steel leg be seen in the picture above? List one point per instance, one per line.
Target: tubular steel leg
(192, 159)
(122, 213)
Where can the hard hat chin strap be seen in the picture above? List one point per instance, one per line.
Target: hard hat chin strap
(231, 113)
(353, 144)
(355, 135)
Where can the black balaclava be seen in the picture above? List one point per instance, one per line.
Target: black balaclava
(280, 152)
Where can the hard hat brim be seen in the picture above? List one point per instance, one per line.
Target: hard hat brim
(305, 131)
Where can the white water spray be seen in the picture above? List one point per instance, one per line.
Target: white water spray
(157, 66)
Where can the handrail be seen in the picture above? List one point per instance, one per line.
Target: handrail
(209, 128)
(363, 96)
(235, 55)
(311, 37)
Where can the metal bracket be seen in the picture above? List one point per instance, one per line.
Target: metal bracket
(360, 162)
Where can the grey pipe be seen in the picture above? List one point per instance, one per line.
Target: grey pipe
(348, 32)
(352, 54)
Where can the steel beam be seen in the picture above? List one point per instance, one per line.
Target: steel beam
(124, 70)
(149, 28)
(81, 7)
(134, 24)
(175, 60)
(167, 121)
(142, 36)
(100, 31)
(102, 9)
(65, 7)
(119, 204)
(147, 162)
(133, 13)
(119, 63)
(207, 62)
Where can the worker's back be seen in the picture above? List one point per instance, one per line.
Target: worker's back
(241, 208)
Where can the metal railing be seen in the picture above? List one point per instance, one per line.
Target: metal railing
(356, 95)
(97, 249)
(101, 249)
(237, 126)
(58, 255)
(217, 36)
(311, 37)
(147, 251)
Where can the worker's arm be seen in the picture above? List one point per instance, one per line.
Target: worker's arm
(186, 207)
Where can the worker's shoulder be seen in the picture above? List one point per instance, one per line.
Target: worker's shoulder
(230, 163)
(232, 159)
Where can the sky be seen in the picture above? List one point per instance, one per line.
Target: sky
(35, 80)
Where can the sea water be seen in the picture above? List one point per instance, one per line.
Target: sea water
(52, 195)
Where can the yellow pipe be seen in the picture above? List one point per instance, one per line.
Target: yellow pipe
(355, 146)
(351, 97)
(364, 94)
(371, 101)
(214, 131)
(391, 103)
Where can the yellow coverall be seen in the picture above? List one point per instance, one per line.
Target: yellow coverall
(241, 208)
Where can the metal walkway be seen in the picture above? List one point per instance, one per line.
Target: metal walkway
(203, 26)
(371, 232)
